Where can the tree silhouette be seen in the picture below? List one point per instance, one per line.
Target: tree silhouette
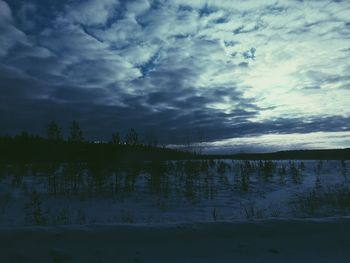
(132, 138)
(53, 131)
(115, 138)
(76, 134)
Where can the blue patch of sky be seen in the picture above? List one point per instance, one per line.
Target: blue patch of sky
(238, 30)
(185, 8)
(206, 10)
(221, 20)
(250, 54)
(230, 43)
(149, 66)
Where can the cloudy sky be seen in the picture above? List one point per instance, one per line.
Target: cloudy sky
(239, 75)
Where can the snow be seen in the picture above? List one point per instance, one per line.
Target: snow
(175, 198)
(242, 213)
(323, 240)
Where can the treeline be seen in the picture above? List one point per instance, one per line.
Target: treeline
(75, 148)
(54, 148)
(327, 154)
(54, 133)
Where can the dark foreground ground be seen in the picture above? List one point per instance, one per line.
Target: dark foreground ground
(321, 240)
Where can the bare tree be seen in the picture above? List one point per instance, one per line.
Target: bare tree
(76, 134)
(53, 131)
(115, 138)
(200, 138)
(132, 138)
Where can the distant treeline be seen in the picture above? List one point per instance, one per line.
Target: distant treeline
(330, 154)
(54, 148)
(37, 149)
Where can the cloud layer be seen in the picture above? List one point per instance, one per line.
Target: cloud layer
(221, 69)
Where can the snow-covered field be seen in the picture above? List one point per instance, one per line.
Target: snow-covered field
(172, 192)
(179, 211)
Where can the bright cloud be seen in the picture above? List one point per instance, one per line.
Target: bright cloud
(231, 68)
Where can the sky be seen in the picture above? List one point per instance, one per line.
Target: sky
(236, 75)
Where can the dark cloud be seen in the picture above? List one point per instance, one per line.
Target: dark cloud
(174, 67)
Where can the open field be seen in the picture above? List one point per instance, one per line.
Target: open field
(172, 192)
(176, 211)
